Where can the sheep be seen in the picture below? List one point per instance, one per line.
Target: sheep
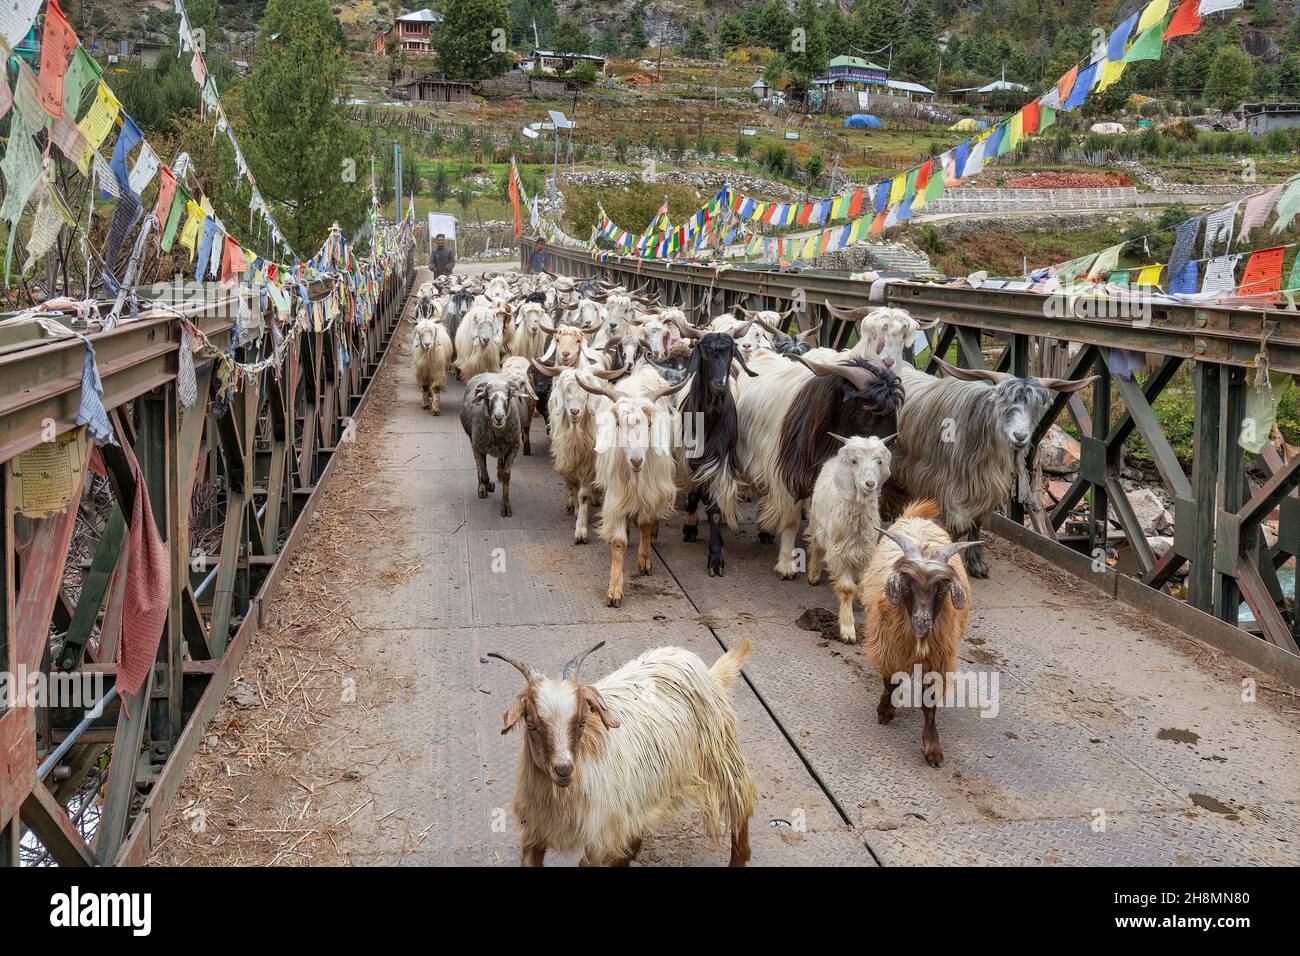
(961, 440)
(917, 603)
(478, 343)
(433, 353)
(491, 416)
(635, 465)
(602, 764)
(715, 474)
(784, 417)
(843, 517)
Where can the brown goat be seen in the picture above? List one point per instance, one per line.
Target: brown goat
(917, 601)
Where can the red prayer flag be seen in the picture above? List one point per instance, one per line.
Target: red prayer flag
(1029, 117)
(805, 212)
(855, 204)
(147, 590)
(514, 201)
(1263, 275)
(1186, 20)
(923, 174)
(57, 45)
(771, 211)
(877, 224)
(166, 190)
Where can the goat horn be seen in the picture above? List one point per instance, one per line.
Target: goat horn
(588, 329)
(926, 326)
(665, 392)
(550, 371)
(738, 331)
(947, 552)
(604, 390)
(789, 312)
(571, 668)
(809, 335)
(855, 374)
(518, 665)
(888, 438)
(909, 547)
(839, 438)
(851, 315)
(771, 329)
(634, 320)
(609, 374)
(1068, 384)
(688, 330)
(598, 297)
(749, 313)
(568, 306)
(978, 374)
(548, 329)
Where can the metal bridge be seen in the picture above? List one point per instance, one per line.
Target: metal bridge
(327, 697)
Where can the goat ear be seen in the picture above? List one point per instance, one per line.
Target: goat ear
(592, 697)
(958, 595)
(515, 711)
(740, 357)
(894, 585)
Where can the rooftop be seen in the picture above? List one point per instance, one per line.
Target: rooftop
(421, 16)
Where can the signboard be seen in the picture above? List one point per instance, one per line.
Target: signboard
(749, 131)
(442, 223)
(530, 132)
(791, 135)
(863, 97)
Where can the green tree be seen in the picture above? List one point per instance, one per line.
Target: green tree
(571, 36)
(734, 32)
(697, 45)
(608, 41)
(1230, 76)
(774, 71)
(307, 155)
(202, 14)
(771, 25)
(637, 40)
(881, 23)
(464, 199)
(466, 40)
(809, 48)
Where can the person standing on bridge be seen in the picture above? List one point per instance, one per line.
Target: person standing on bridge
(538, 262)
(442, 260)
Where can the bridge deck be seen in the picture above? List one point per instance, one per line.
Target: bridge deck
(1101, 711)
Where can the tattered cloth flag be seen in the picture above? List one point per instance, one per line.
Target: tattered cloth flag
(1218, 6)
(145, 168)
(1218, 228)
(1258, 207)
(57, 44)
(1220, 274)
(1288, 206)
(1105, 262)
(1148, 45)
(1065, 85)
(125, 216)
(166, 190)
(6, 96)
(90, 408)
(1149, 275)
(81, 71)
(1082, 86)
(16, 18)
(1184, 242)
(1184, 281)
(147, 592)
(1263, 275)
(1186, 20)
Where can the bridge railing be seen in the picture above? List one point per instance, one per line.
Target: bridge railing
(230, 480)
(1218, 548)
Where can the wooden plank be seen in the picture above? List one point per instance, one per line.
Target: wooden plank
(17, 759)
(42, 813)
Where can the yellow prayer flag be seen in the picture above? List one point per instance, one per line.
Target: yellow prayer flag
(1150, 275)
(100, 118)
(1110, 73)
(1154, 13)
(193, 223)
(1015, 130)
(896, 189)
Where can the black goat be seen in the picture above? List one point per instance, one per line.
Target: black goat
(709, 430)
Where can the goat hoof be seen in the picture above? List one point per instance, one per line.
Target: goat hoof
(568, 509)
(506, 512)
(786, 575)
(934, 757)
(884, 715)
(580, 539)
(765, 538)
(616, 602)
(976, 566)
(482, 491)
(491, 486)
(690, 533)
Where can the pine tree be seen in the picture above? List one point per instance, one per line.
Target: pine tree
(809, 46)
(1230, 76)
(571, 36)
(467, 40)
(307, 156)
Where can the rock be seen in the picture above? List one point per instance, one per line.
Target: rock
(1056, 490)
(1152, 515)
(1159, 545)
(1058, 453)
(244, 695)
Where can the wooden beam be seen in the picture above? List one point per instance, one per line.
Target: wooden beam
(44, 817)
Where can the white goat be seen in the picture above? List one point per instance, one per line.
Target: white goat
(843, 520)
(478, 342)
(635, 464)
(884, 334)
(433, 354)
(603, 764)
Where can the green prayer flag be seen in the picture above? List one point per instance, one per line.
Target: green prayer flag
(909, 188)
(82, 72)
(934, 188)
(1004, 141)
(1148, 45)
(173, 220)
(1046, 117)
(1119, 277)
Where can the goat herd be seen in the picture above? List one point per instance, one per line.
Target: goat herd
(642, 404)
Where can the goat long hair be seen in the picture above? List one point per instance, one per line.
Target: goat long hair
(715, 467)
(831, 403)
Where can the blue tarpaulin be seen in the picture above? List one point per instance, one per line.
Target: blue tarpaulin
(863, 120)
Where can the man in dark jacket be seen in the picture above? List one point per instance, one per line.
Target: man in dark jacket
(538, 262)
(443, 260)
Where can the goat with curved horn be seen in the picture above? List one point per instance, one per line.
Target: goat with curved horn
(550, 371)
(668, 390)
(855, 374)
(516, 664)
(603, 390)
(848, 315)
(575, 663)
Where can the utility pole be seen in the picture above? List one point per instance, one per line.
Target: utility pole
(397, 179)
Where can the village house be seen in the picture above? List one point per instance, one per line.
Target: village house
(549, 61)
(1260, 118)
(414, 33)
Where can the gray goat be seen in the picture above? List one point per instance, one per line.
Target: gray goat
(492, 416)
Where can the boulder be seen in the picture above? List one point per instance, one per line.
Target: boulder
(1058, 453)
(1152, 515)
